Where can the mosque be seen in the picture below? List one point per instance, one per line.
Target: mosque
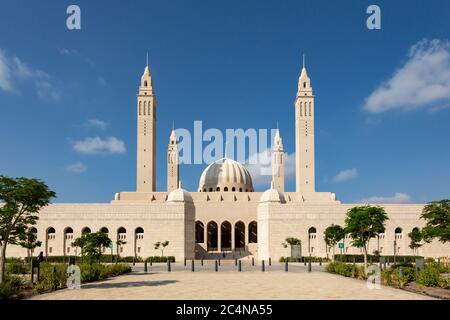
(225, 214)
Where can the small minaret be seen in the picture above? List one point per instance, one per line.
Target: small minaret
(304, 134)
(278, 163)
(172, 164)
(146, 134)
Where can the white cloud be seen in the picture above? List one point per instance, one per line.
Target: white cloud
(77, 167)
(66, 52)
(260, 167)
(46, 91)
(97, 145)
(14, 72)
(345, 175)
(5, 74)
(101, 81)
(96, 123)
(396, 198)
(422, 82)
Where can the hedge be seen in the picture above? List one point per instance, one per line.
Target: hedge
(90, 272)
(157, 259)
(302, 259)
(359, 258)
(105, 258)
(346, 270)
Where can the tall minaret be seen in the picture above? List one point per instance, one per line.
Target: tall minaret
(278, 163)
(146, 134)
(304, 134)
(172, 163)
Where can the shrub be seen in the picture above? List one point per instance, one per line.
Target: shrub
(157, 259)
(130, 259)
(302, 259)
(430, 277)
(17, 266)
(346, 270)
(95, 271)
(53, 276)
(90, 272)
(359, 258)
(11, 288)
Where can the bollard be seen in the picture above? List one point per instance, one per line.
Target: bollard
(185, 262)
(202, 262)
(270, 261)
(219, 261)
(192, 266)
(151, 262)
(320, 261)
(169, 269)
(145, 266)
(304, 261)
(216, 266)
(253, 261)
(235, 262)
(263, 267)
(309, 264)
(240, 266)
(286, 265)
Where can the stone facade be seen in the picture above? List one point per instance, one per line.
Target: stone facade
(225, 215)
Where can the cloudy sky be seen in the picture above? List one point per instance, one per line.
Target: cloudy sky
(68, 98)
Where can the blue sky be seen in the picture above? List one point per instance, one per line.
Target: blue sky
(382, 96)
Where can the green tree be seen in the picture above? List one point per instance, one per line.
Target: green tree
(363, 223)
(290, 241)
(120, 243)
(437, 216)
(91, 244)
(332, 235)
(161, 246)
(29, 241)
(22, 199)
(416, 238)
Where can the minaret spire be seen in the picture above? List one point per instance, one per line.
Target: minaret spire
(147, 60)
(303, 61)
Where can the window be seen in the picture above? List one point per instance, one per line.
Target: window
(145, 83)
(225, 189)
(304, 84)
(233, 189)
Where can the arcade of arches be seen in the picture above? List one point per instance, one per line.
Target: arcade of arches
(226, 237)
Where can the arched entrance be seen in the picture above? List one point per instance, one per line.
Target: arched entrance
(239, 235)
(253, 232)
(225, 231)
(199, 232)
(213, 233)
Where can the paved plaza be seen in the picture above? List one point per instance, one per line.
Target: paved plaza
(228, 283)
